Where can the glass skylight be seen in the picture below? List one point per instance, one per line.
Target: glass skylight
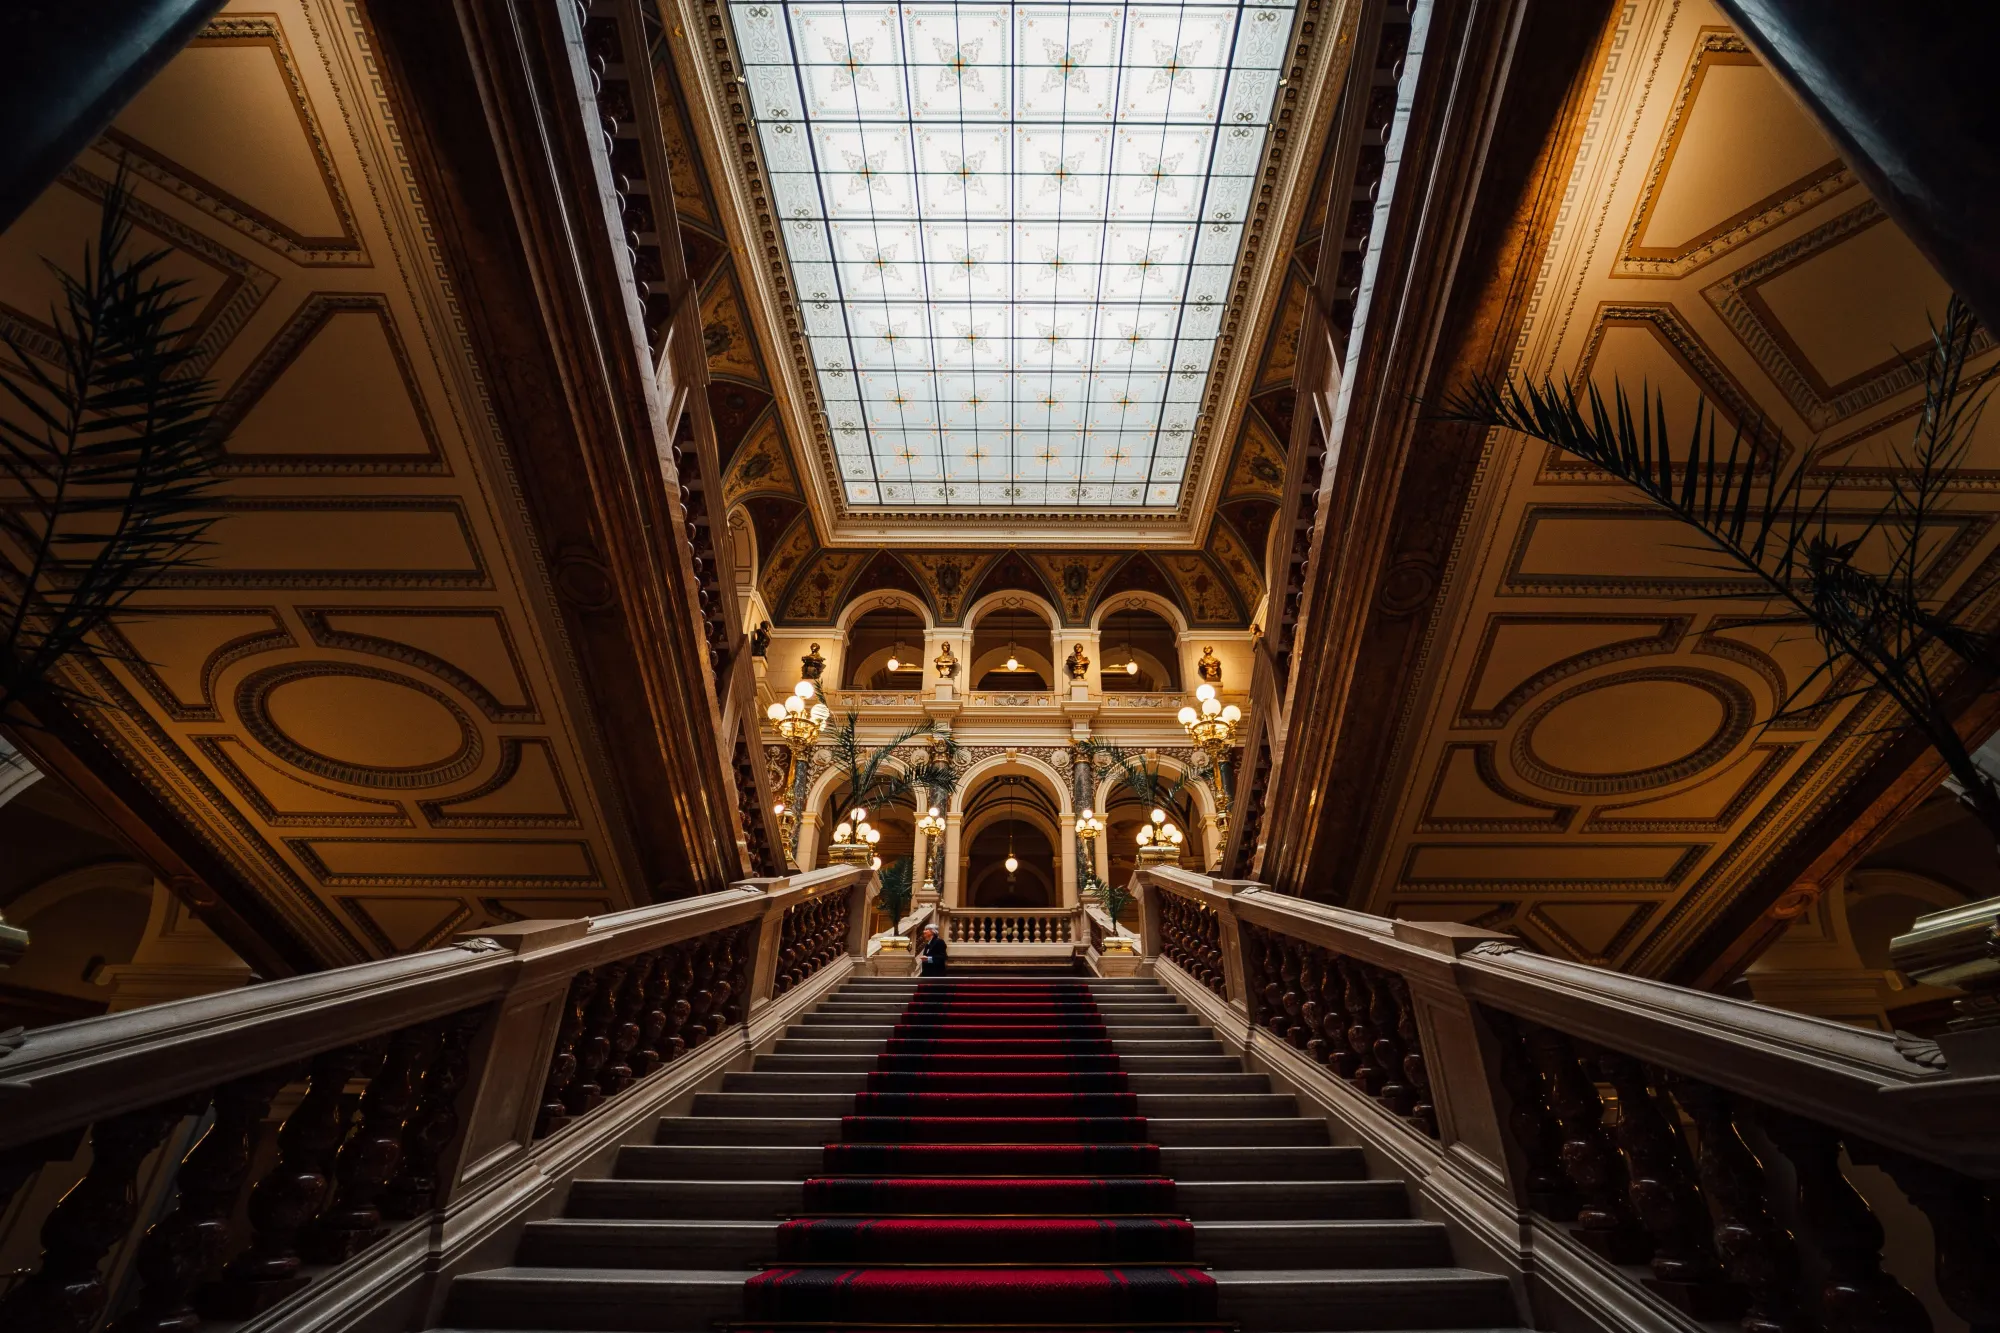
(1012, 228)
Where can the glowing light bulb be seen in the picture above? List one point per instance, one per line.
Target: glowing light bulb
(934, 812)
(1013, 664)
(1159, 816)
(895, 664)
(1232, 714)
(1145, 835)
(820, 713)
(795, 705)
(875, 864)
(1012, 864)
(1088, 813)
(778, 808)
(1209, 708)
(874, 835)
(1186, 715)
(804, 689)
(842, 832)
(776, 712)
(857, 814)
(1131, 668)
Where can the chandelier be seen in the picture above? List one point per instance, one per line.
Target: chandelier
(1211, 725)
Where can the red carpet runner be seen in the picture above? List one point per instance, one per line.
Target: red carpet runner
(995, 1173)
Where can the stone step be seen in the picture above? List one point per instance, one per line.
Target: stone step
(651, 1243)
(1278, 1300)
(1121, 1045)
(761, 1079)
(893, 1012)
(746, 1198)
(1182, 1106)
(809, 1031)
(696, 1161)
(798, 1131)
(813, 1061)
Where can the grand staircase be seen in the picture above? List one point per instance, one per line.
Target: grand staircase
(1053, 1151)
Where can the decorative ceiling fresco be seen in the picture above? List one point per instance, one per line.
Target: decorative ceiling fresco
(1586, 753)
(1218, 579)
(362, 702)
(1049, 476)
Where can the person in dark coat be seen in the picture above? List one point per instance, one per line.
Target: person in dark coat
(931, 952)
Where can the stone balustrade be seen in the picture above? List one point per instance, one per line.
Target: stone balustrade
(1645, 1154)
(426, 1100)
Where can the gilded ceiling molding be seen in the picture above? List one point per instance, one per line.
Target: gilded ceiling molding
(1309, 94)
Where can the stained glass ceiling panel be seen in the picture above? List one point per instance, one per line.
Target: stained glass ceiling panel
(1012, 228)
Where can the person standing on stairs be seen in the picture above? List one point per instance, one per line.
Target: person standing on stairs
(932, 952)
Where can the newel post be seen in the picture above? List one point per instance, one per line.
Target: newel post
(1229, 928)
(1461, 1056)
(778, 895)
(1149, 922)
(510, 1056)
(861, 913)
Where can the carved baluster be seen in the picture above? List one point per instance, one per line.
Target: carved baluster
(1756, 1252)
(188, 1241)
(653, 1014)
(1416, 1075)
(1534, 1130)
(701, 998)
(585, 1092)
(1312, 1009)
(618, 1073)
(724, 984)
(369, 1158)
(1962, 1212)
(67, 1293)
(1340, 1057)
(1664, 1197)
(1395, 1094)
(680, 975)
(1857, 1296)
(290, 1193)
(1604, 1221)
(562, 1064)
(1288, 994)
(1367, 1076)
(745, 953)
(434, 1121)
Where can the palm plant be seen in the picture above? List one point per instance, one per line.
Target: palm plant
(867, 778)
(1141, 772)
(1880, 625)
(107, 452)
(895, 888)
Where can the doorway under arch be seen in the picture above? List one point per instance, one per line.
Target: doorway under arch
(1011, 815)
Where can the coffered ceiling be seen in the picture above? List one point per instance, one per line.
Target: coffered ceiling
(363, 702)
(1586, 752)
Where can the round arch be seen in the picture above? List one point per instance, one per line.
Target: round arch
(1012, 599)
(885, 599)
(1020, 761)
(1204, 797)
(1139, 601)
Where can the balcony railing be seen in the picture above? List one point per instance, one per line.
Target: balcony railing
(424, 1103)
(1653, 1157)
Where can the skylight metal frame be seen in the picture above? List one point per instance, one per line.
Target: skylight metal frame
(1090, 458)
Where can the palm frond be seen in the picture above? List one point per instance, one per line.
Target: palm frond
(1772, 521)
(109, 454)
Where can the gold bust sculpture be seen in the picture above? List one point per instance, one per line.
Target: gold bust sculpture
(946, 664)
(1078, 664)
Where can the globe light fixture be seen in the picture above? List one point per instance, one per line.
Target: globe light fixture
(1211, 725)
(798, 719)
(931, 825)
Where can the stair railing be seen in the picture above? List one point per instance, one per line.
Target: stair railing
(1011, 925)
(1652, 1157)
(423, 1101)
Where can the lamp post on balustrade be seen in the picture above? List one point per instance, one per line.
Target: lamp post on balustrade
(798, 720)
(1088, 827)
(1160, 841)
(931, 825)
(1211, 725)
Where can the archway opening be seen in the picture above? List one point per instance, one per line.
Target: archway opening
(1125, 814)
(1141, 653)
(1016, 634)
(1012, 816)
(885, 651)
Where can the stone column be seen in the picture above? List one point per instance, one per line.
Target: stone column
(808, 857)
(1068, 859)
(954, 890)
